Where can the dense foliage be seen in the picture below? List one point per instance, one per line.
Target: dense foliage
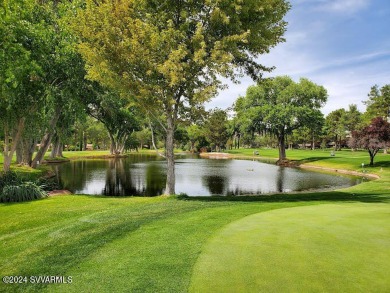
(279, 106)
(15, 189)
(167, 56)
(373, 137)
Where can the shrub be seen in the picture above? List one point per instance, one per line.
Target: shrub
(14, 189)
(49, 184)
(23, 192)
(9, 178)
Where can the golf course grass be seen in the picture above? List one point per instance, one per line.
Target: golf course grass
(334, 241)
(326, 248)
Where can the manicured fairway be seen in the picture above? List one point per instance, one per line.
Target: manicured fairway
(113, 244)
(327, 248)
(336, 241)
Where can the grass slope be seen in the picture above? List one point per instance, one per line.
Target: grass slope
(154, 244)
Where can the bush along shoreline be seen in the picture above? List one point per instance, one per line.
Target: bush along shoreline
(14, 188)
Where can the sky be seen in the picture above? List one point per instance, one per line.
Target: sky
(343, 45)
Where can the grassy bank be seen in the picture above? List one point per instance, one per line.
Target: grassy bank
(347, 159)
(328, 241)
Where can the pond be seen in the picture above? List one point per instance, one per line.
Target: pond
(144, 175)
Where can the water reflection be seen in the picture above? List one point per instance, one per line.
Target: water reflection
(280, 179)
(215, 184)
(144, 175)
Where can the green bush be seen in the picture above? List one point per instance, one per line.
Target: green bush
(23, 192)
(49, 184)
(9, 178)
(13, 189)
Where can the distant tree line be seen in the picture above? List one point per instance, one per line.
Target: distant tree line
(278, 113)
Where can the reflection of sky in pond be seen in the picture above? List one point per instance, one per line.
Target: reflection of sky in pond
(145, 175)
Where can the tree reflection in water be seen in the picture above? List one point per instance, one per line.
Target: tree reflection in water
(140, 175)
(215, 184)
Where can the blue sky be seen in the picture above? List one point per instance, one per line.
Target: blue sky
(343, 45)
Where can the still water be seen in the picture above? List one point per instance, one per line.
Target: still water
(144, 175)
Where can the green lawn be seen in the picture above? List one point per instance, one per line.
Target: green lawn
(330, 241)
(327, 248)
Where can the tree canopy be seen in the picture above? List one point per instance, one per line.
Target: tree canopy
(169, 55)
(279, 105)
(373, 137)
(378, 103)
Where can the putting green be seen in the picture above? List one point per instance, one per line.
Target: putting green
(329, 248)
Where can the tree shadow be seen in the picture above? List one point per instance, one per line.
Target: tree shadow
(311, 160)
(382, 164)
(331, 196)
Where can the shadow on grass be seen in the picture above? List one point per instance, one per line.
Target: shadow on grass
(333, 196)
(311, 160)
(76, 242)
(382, 164)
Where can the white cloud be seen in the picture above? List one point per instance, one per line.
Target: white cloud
(347, 80)
(344, 6)
(323, 48)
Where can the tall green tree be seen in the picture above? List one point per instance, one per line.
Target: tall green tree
(378, 103)
(168, 55)
(41, 75)
(64, 75)
(335, 127)
(216, 129)
(353, 118)
(249, 122)
(119, 119)
(234, 132)
(194, 133)
(23, 42)
(97, 134)
(279, 105)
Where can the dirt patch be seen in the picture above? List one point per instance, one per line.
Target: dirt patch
(58, 192)
(216, 155)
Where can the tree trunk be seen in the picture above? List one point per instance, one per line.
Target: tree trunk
(85, 140)
(170, 184)
(372, 153)
(112, 143)
(9, 152)
(45, 143)
(57, 148)
(60, 149)
(54, 147)
(371, 158)
(117, 144)
(282, 147)
(29, 148)
(122, 144)
(153, 142)
(25, 151)
(313, 143)
(19, 152)
(46, 140)
(7, 159)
